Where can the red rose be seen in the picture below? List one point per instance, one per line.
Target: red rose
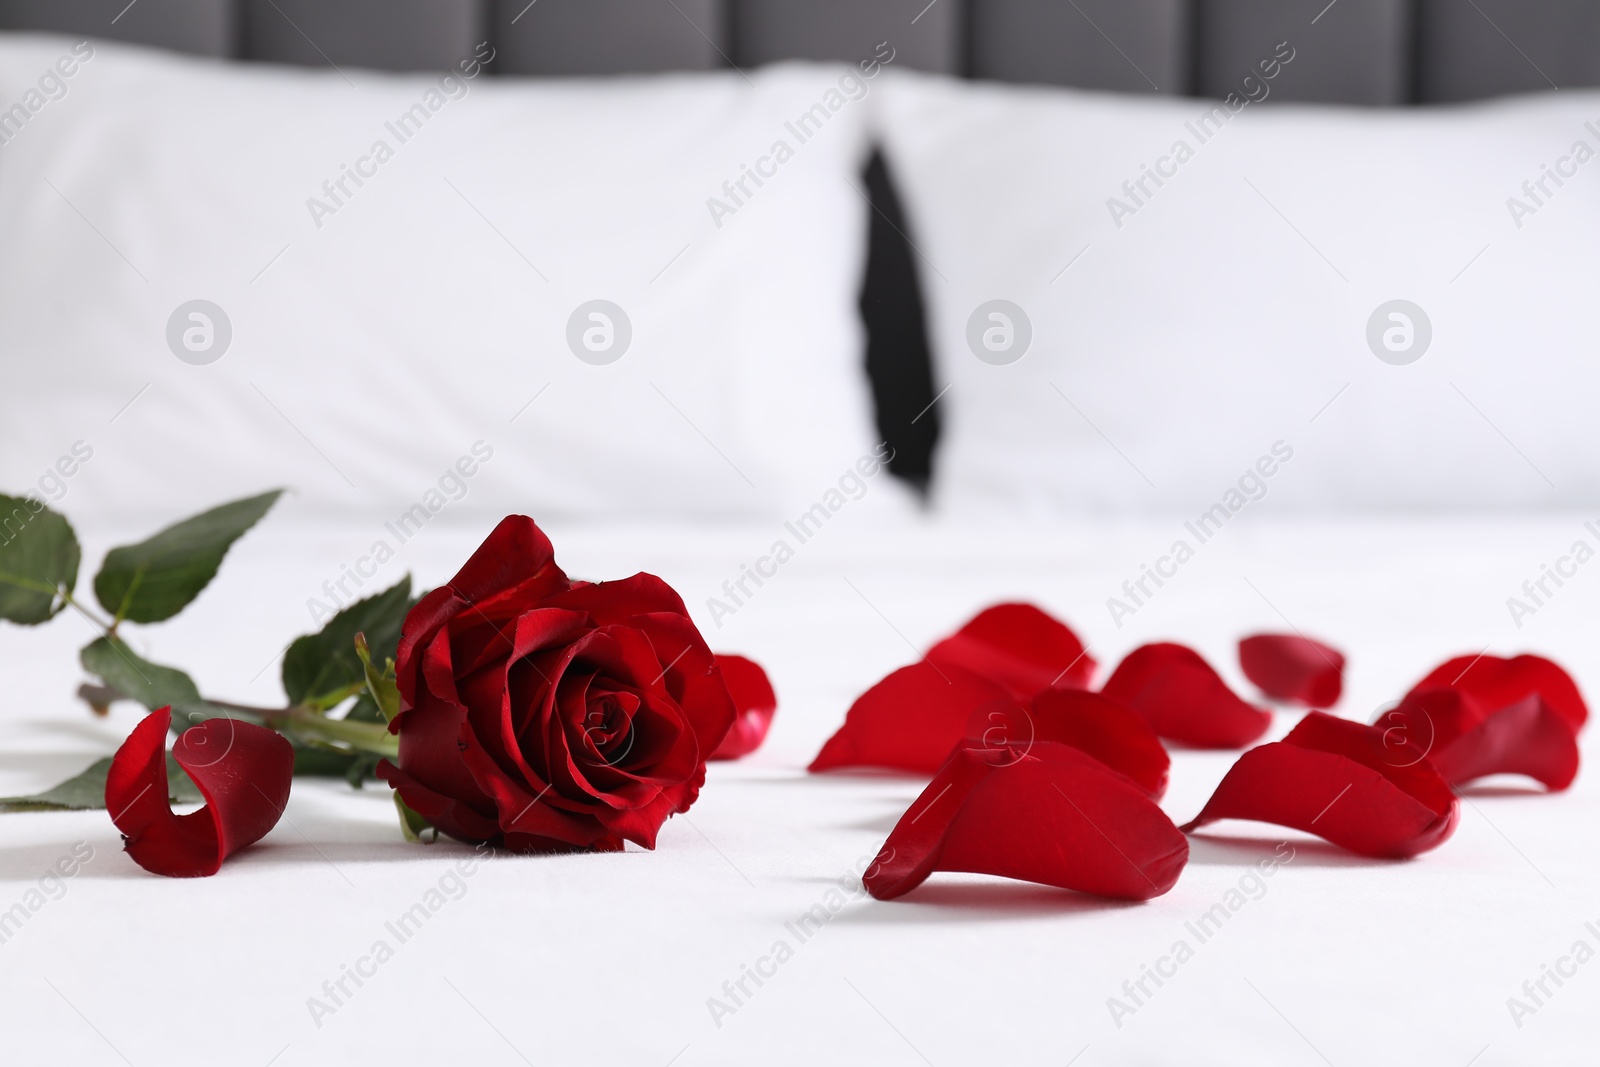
(539, 713)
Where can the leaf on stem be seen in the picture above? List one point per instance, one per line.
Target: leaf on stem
(325, 664)
(157, 578)
(413, 826)
(39, 557)
(132, 676)
(86, 791)
(383, 694)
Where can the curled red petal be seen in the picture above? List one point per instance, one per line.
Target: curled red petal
(909, 721)
(1339, 780)
(1495, 682)
(1019, 647)
(753, 700)
(1184, 699)
(1089, 722)
(243, 771)
(1052, 815)
(1295, 668)
(1464, 742)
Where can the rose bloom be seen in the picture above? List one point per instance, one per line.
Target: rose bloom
(538, 713)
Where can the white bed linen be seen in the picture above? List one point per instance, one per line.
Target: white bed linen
(1183, 326)
(612, 958)
(446, 310)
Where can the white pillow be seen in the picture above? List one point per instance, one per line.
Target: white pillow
(388, 329)
(1188, 333)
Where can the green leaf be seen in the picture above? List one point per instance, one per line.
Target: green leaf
(383, 695)
(154, 686)
(155, 579)
(321, 666)
(413, 826)
(39, 557)
(316, 762)
(86, 791)
(363, 769)
(118, 666)
(365, 709)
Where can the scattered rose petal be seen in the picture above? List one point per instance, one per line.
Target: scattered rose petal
(1295, 668)
(755, 703)
(1465, 742)
(1020, 647)
(1494, 682)
(1089, 722)
(242, 770)
(909, 721)
(1052, 815)
(1337, 779)
(1183, 699)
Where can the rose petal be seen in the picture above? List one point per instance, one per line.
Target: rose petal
(1291, 667)
(687, 668)
(515, 555)
(1338, 780)
(754, 701)
(1495, 683)
(1183, 699)
(1020, 647)
(909, 721)
(1465, 743)
(242, 770)
(1089, 722)
(624, 600)
(1052, 815)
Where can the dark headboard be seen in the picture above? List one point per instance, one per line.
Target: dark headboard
(1371, 52)
(1348, 51)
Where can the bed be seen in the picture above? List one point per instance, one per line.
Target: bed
(746, 936)
(620, 958)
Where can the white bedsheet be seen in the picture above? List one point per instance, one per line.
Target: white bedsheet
(612, 958)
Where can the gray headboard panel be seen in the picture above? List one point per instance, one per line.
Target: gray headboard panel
(565, 37)
(1491, 47)
(1378, 52)
(204, 27)
(925, 36)
(1139, 46)
(382, 34)
(1352, 52)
